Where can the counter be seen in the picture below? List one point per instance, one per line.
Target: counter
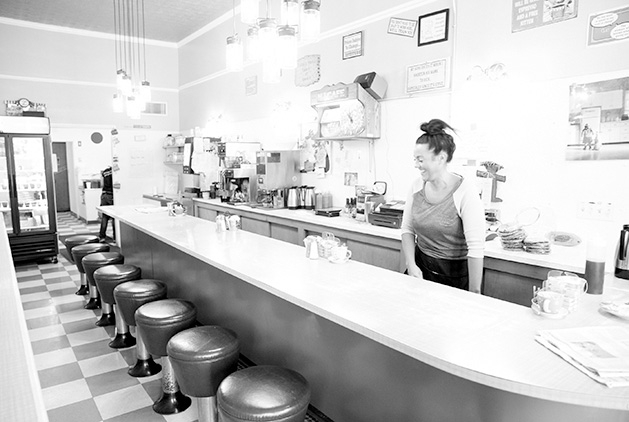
(375, 344)
(20, 389)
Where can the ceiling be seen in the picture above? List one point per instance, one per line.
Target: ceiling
(165, 20)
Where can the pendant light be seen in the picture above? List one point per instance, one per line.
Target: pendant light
(118, 103)
(249, 11)
(253, 44)
(145, 86)
(268, 36)
(233, 50)
(271, 72)
(289, 12)
(287, 47)
(310, 20)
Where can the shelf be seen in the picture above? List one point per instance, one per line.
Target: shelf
(172, 146)
(170, 162)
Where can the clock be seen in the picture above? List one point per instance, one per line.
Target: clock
(24, 103)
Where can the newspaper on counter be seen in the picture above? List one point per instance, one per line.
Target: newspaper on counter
(602, 353)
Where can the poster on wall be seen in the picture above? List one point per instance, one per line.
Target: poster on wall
(529, 14)
(433, 27)
(599, 119)
(427, 76)
(353, 45)
(403, 27)
(609, 26)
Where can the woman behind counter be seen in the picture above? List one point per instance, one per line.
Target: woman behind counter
(443, 227)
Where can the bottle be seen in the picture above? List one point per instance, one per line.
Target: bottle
(347, 208)
(595, 266)
(353, 207)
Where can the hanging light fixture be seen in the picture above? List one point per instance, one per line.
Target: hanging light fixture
(310, 20)
(233, 50)
(289, 12)
(133, 87)
(271, 72)
(249, 11)
(253, 44)
(287, 47)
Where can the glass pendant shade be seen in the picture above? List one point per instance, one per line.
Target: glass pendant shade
(287, 47)
(289, 12)
(133, 108)
(127, 85)
(145, 91)
(233, 54)
(310, 21)
(249, 11)
(118, 103)
(119, 77)
(253, 44)
(268, 36)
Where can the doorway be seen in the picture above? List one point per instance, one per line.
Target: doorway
(60, 166)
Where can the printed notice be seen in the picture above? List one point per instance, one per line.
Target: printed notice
(404, 27)
(426, 76)
(251, 85)
(609, 26)
(308, 70)
(528, 14)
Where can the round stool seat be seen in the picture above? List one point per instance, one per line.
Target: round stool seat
(109, 276)
(79, 239)
(94, 261)
(263, 394)
(202, 357)
(131, 295)
(80, 251)
(160, 320)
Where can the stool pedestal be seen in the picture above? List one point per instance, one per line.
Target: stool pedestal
(144, 366)
(172, 399)
(78, 253)
(91, 263)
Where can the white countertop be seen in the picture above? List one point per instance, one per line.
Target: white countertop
(478, 338)
(567, 258)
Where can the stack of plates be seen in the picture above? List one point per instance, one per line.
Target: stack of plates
(512, 237)
(537, 244)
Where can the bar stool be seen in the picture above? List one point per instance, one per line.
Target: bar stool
(79, 239)
(263, 394)
(157, 322)
(129, 297)
(78, 253)
(107, 278)
(201, 358)
(91, 263)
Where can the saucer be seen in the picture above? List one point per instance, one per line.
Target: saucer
(618, 308)
(559, 315)
(338, 261)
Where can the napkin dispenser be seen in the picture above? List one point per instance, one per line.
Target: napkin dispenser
(373, 84)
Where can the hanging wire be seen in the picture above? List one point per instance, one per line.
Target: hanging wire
(144, 39)
(115, 35)
(234, 15)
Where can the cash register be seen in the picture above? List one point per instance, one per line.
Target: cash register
(388, 214)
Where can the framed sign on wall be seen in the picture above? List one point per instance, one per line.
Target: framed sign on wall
(433, 27)
(353, 45)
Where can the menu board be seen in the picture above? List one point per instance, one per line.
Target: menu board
(426, 76)
(308, 70)
(528, 14)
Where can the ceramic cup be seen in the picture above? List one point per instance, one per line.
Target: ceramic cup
(570, 285)
(549, 301)
(340, 253)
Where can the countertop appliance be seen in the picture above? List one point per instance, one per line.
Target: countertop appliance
(238, 184)
(375, 195)
(388, 215)
(346, 111)
(27, 196)
(622, 257)
(275, 172)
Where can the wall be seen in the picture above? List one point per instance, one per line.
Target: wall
(73, 73)
(520, 122)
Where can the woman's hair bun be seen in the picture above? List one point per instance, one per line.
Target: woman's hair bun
(434, 127)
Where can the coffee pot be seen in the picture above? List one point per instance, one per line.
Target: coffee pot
(309, 198)
(622, 257)
(293, 200)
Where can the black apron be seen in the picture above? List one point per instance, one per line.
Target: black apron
(451, 272)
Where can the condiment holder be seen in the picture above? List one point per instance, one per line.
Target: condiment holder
(176, 209)
(325, 243)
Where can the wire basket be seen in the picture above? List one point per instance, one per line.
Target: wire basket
(325, 243)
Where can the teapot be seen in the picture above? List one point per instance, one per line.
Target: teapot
(622, 255)
(176, 208)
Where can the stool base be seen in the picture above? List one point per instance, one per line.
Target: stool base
(170, 403)
(122, 341)
(93, 303)
(106, 319)
(144, 368)
(83, 290)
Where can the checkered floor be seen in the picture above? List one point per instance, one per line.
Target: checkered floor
(82, 378)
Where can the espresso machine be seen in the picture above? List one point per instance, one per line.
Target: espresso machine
(276, 172)
(238, 185)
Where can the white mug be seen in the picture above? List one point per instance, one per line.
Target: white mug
(340, 253)
(549, 301)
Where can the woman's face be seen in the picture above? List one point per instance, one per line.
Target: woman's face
(427, 162)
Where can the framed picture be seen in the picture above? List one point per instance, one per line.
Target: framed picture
(433, 27)
(353, 45)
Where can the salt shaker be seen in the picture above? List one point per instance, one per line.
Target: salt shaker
(221, 223)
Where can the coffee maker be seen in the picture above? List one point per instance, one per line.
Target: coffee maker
(276, 172)
(622, 257)
(238, 184)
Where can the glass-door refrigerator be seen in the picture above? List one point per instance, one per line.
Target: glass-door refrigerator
(27, 197)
